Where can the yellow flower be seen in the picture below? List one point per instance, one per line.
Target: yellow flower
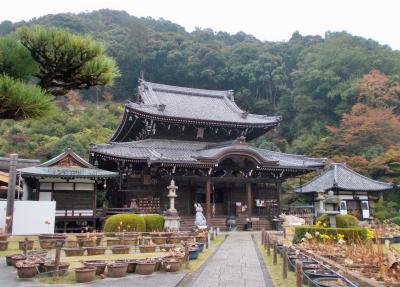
(318, 224)
(370, 234)
(324, 224)
(340, 236)
(325, 236)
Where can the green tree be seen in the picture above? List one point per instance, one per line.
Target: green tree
(67, 61)
(15, 59)
(20, 100)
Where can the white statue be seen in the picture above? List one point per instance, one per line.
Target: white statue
(200, 221)
(291, 220)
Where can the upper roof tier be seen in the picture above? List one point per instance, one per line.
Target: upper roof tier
(339, 176)
(182, 105)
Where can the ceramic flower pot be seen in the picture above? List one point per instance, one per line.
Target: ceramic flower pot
(51, 267)
(87, 242)
(128, 241)
(147, 248)
(3, 245)
(29, 245)
(74, 251)
(47, 243)
(97, 250)
(100, 265)
(71, 243)
(113, 241)
(17, 258)
(26, 270)
(120, 249)
(85, 274)
(201, 239)
(131, 264)
(3, 237)
(145, 268)
(117, 270)
(167, 247)
(171, 265)
(174, 240)
(159, 240)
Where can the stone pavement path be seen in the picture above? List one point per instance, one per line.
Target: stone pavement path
(8, 278)
(236, 263)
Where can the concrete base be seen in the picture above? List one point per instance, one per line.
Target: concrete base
(172, 222)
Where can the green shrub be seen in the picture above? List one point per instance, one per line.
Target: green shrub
(125, 222)
(396, 220)
(342, 220)
(350, 234)
(154, 222)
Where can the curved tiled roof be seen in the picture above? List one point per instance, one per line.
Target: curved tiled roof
(194, 104)
(66, 164)
(339, 176)
(199, 153)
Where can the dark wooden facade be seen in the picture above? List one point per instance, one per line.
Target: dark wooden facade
(198, 138)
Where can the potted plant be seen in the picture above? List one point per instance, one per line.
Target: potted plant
(3, 245)
(159, 240)
(193, 253)
(146, 267)
(29, 244)
(85, 274)
(99, 264)
(9, 259)
(117, 270)
(26, 269)
(201, 239)
(171, 265)
(200, 246)
(313, 274)
(147, 248)
(131, 264)
(167, 247)
(50, 266)
(330, 282)
(74, 251)
(97, 250)
(113, 241)
(120, 249)
(47, 243)
(71, 243)
(16, 258)
(87, 242)
(3, 235)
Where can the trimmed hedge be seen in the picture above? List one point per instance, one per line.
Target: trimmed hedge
(154, 222)
(125, 222)
(350, 234)
(342, 220)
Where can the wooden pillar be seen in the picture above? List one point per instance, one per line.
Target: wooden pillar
(11, 192)
(249, 200)
(208, 201)
(279, 191)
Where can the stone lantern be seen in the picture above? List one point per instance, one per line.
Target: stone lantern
(331, 207)
(172, 219)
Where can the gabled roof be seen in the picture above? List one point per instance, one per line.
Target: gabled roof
(195, 104)
(201, 153)
(22, 162)
(339, 176)
(67, 164)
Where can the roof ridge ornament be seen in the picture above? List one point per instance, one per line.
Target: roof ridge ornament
(240, 141)
(161, 107)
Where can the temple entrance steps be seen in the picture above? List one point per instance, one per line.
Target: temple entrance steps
(187, 222)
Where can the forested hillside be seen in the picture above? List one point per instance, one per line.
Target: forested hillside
(339, 95)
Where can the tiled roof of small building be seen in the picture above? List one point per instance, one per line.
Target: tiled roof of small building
(199, 153)
(339, 176)
(66, 164)
(172, 102)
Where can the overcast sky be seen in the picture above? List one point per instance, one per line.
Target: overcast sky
(272, 20)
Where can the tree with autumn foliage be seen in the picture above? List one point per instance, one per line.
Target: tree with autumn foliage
(366, 130)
